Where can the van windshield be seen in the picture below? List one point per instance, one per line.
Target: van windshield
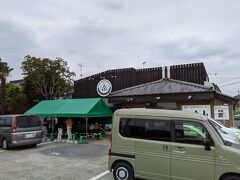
(27, 121)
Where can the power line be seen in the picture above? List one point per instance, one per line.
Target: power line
(232, 91)
(227, 78)
(230, 84)
(212, 74)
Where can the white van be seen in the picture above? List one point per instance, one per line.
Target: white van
(229, 134)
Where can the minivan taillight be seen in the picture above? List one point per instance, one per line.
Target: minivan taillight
(14, 125)
(110, 138)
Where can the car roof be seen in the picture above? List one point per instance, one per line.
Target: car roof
(160, 113)
(14, 115)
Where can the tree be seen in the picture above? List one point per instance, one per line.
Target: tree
(16, 102)
(4, 72)
(46, 78)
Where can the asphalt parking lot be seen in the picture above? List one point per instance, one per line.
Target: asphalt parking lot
(55, 161)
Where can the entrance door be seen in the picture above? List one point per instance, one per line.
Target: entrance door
(152, 148)
(189, 159)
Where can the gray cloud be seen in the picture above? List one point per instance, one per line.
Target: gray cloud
(111, 34)
(110, 4)
(14, 38)
(15, 43)
(188, 49)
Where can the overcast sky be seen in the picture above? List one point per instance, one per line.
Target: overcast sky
(112, 34)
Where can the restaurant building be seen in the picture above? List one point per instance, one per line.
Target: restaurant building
(182, 87)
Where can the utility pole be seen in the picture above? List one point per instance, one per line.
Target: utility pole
(81, 67)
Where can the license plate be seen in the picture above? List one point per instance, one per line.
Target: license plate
(29, 135)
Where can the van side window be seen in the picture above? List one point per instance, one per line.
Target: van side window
(8, 122)
(153, 130)
(190, 132)
(146, 129)
(126, 127)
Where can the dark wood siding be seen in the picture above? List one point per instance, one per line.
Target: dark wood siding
(124, 78)
(195, 73)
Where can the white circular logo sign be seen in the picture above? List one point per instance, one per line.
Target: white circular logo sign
(104, 87)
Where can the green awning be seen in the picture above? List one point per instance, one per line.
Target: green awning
(87, 107)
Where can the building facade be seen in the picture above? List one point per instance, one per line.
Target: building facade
(128, 77)
(181, 87)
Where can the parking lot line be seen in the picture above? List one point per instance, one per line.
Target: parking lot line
(100, 175)
(2, 151)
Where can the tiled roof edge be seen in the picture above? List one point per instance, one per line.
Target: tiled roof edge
(165, 79)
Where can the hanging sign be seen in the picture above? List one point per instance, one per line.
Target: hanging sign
(221, 112)
(202, 109)
(104, 87)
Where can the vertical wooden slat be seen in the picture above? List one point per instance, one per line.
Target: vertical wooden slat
(195, 73)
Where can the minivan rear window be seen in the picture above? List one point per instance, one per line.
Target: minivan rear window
(27, 121)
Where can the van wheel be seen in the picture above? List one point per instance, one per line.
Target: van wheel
(232, 178)
(122, 171)
(5, 144)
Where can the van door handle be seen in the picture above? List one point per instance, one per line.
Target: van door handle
(165, 147)
(179, 150)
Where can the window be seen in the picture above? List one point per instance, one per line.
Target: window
(28, 121)
(190, 132)
(153, 129)
(8, 122)
(1, 122)
(126, 127)
(146, 129)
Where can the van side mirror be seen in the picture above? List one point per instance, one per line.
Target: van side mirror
(207, 144)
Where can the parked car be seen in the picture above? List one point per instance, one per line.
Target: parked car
(168, 144)
(229, 134)
(19, 130)
(193, 132)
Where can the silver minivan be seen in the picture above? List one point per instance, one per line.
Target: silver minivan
(20, 130)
